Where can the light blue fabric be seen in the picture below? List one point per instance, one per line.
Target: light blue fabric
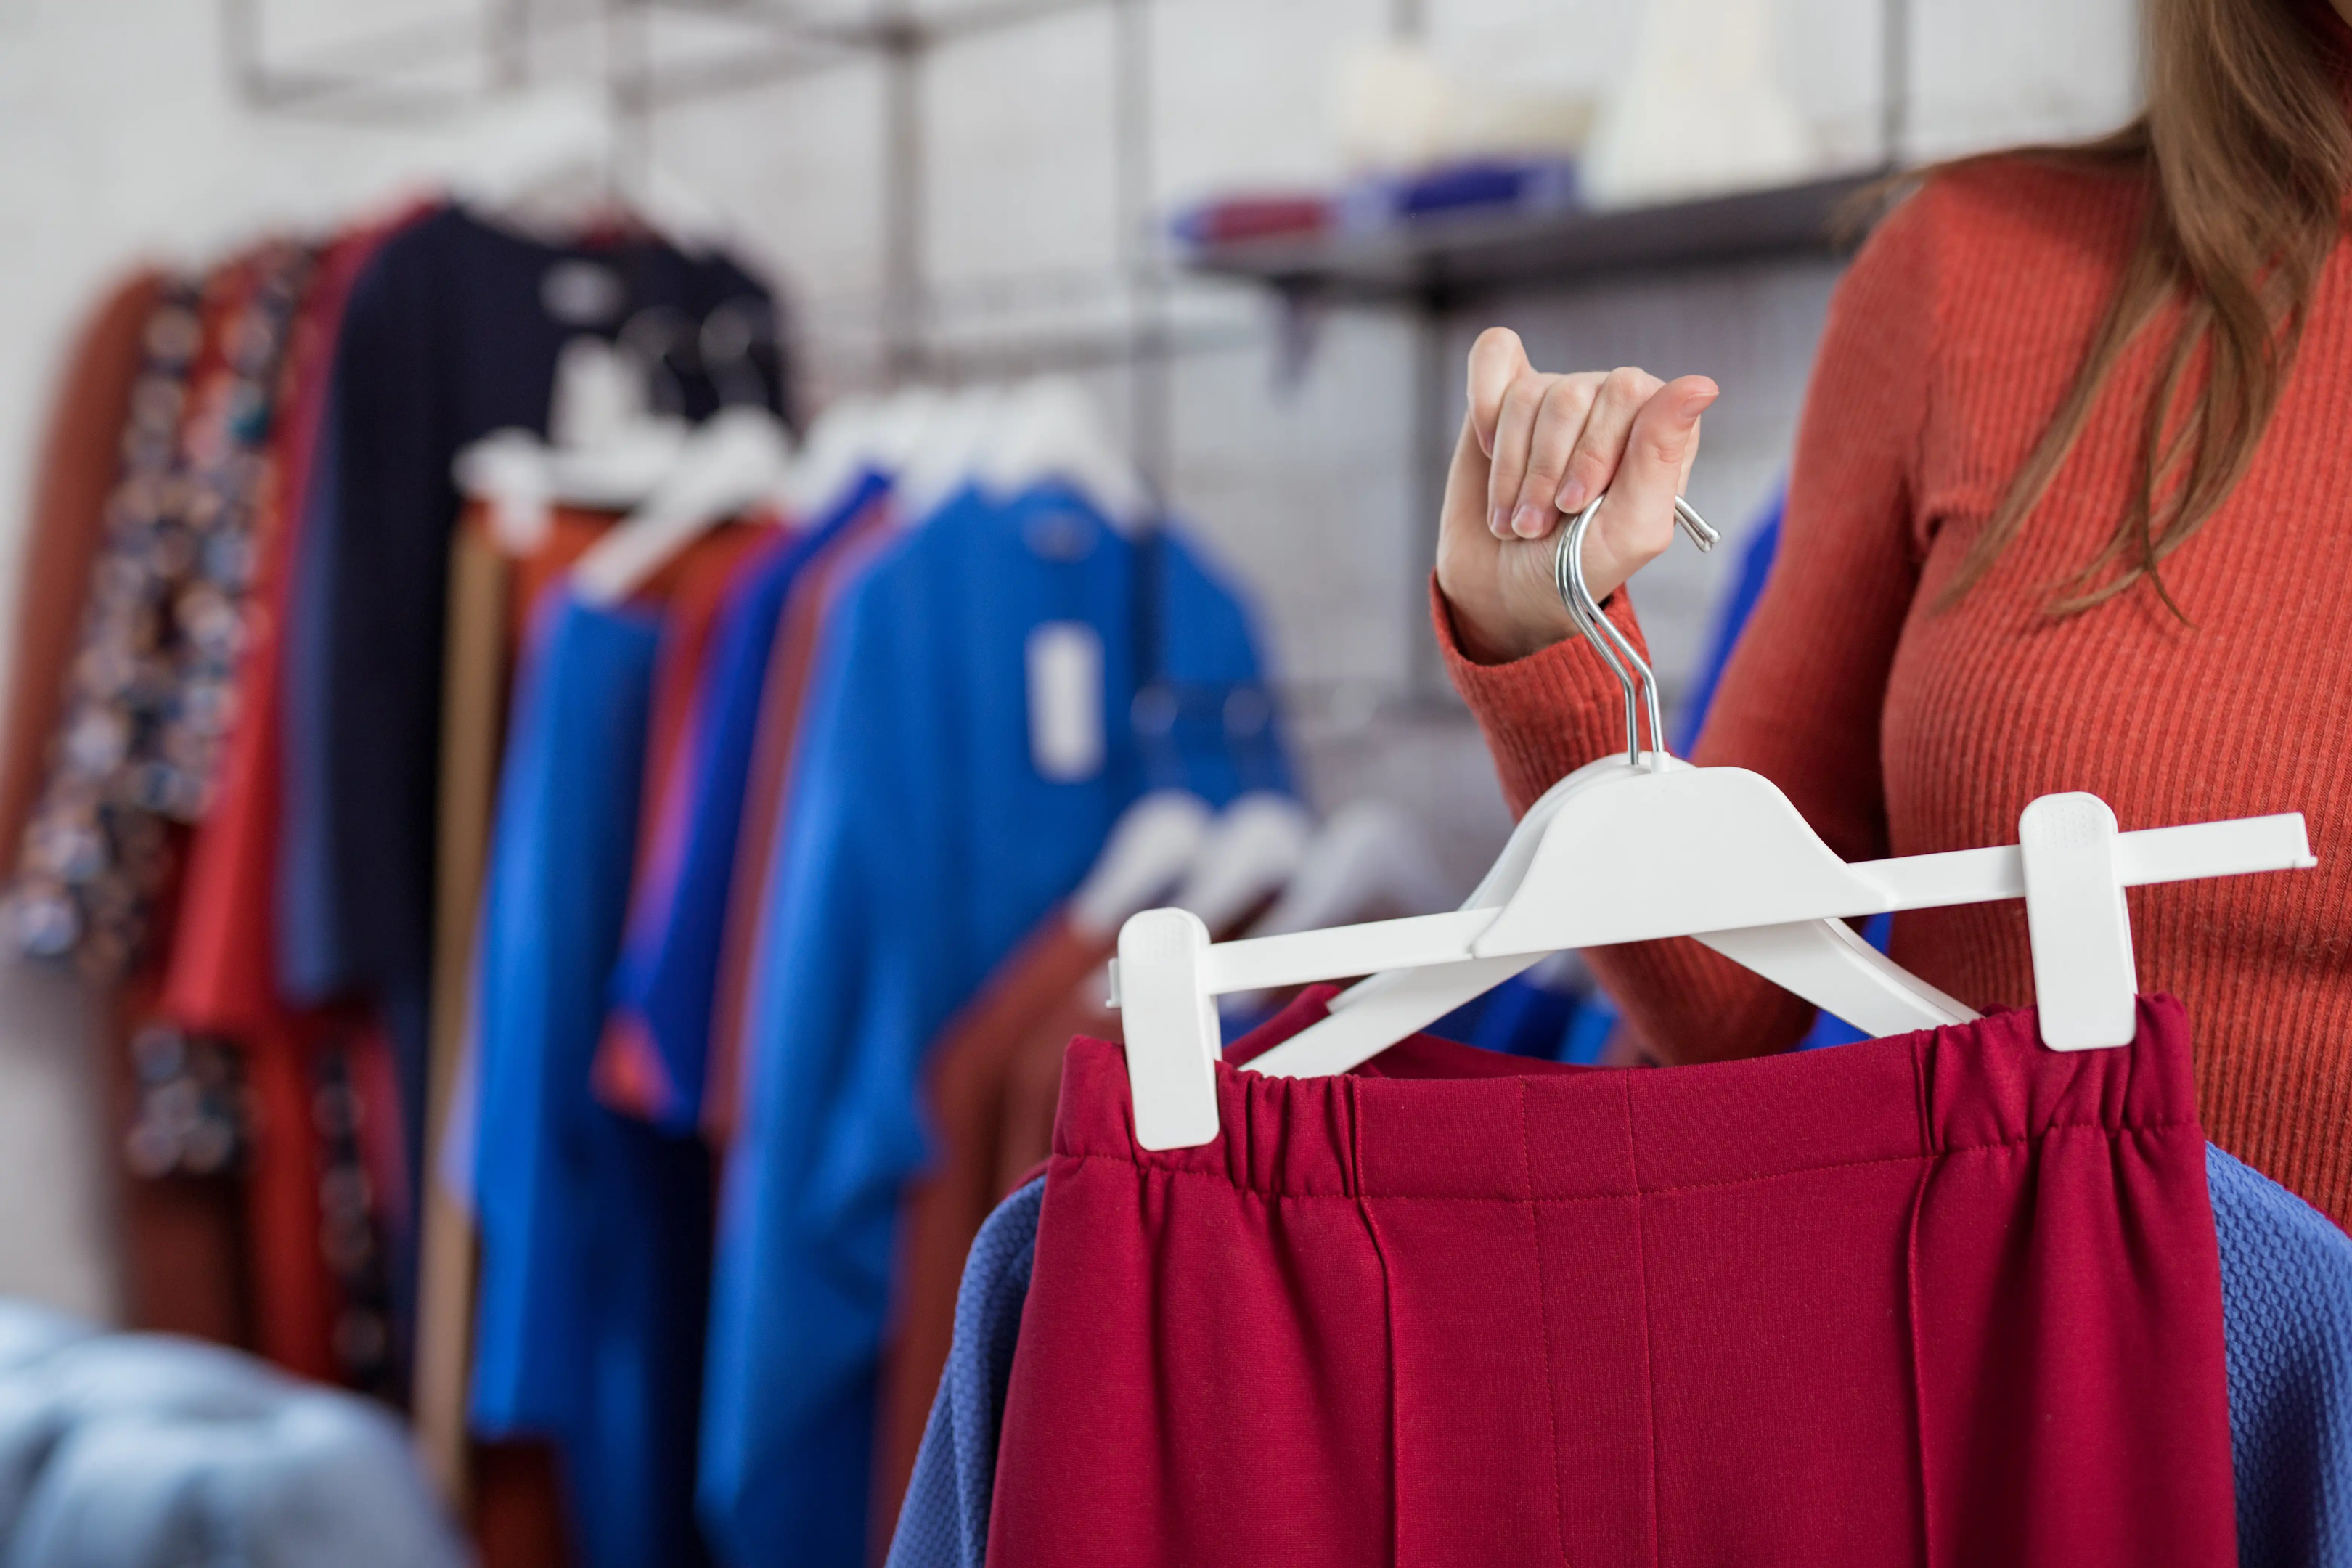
(919, 844)
(2287, 1306)
(945, 1520)
(2286, 1313)
(146, 1452)
(594, 1227)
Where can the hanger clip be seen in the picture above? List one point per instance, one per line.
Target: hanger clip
(2084, 983)
(1168, 1015)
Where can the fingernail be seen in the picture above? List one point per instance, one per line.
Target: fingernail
(1501, 522)
(1571, 496)
(1694, 404)
(1527, 522)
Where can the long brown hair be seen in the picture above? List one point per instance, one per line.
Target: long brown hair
(2247, 155)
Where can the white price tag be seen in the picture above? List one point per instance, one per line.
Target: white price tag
(1066, 701)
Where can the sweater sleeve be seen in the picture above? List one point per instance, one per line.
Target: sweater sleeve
(1799, 701)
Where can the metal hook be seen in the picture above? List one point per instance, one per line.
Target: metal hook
(1613, 646)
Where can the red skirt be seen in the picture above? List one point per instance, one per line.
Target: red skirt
(1940, 1299)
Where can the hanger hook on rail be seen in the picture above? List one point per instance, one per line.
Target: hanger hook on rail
(1640, 683)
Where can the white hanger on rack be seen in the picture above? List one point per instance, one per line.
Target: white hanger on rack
(1368, 860)
(1647, 848)
(835, 456)
(1154, 843)
(1052, 432)
(608, 449)
(550, 164)
(949, 453)
(732, 462)
(1368, 857)
(1251, 854)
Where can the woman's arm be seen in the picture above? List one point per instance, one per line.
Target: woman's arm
(1800, 699)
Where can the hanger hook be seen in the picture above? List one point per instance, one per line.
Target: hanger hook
(1613, 646)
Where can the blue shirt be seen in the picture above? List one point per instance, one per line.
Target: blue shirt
(594, 1252)
(668, 971)
(920, 843)
(2286, 1313)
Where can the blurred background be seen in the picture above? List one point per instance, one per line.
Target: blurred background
(1226, 255)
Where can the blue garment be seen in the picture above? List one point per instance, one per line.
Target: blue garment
(2286, 1313)
(945, 1518)
(919, 844)
(1522, 1018)
(668, 974)
(595, 1226)
(146, 1452)
(2287, 1306)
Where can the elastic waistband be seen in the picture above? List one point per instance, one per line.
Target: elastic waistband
(1433, 1119)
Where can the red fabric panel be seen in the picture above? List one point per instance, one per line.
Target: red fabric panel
(1946, 1298)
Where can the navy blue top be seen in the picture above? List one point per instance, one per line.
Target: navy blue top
(451, 332)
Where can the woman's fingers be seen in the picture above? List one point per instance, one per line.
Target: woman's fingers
(1638, 521)
(1592, 465)
(1514, 438)
(1560, 419)
(1497, 360)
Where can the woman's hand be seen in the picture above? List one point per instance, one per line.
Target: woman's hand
(1534, 446)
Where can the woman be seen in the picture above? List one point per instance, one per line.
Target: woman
(2070, 511)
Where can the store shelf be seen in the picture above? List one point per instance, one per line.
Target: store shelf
(1439, 262)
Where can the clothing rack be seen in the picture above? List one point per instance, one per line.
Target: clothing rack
(1431, 279)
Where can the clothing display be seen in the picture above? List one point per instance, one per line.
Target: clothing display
(1902, 732)
(815, 593)
(449, 334)
(1483, 1276)
(219, 982)
(920, 843)
(593, 1227)
(676, 988)
(659, 1035)
(67, 524)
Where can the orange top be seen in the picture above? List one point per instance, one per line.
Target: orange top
(1897, 729)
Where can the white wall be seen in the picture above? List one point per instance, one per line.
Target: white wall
(121, 137)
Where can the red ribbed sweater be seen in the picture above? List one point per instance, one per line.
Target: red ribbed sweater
(1897, 729)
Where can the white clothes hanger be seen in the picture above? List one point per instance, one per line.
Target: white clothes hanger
(835, 456)
(1822, 961)
(1251, 854)
(947, 454)
(510, 472)
(896, 431)
(1053, 432)
(609, 449)
(731, 463)
(1151, 847)
(550, 163)
(1647, 848)
(1368, 857)
(1369, 860)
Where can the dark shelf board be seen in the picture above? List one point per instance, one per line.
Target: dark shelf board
(1443, 262)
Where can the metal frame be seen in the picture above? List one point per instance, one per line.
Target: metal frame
(360, 82)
